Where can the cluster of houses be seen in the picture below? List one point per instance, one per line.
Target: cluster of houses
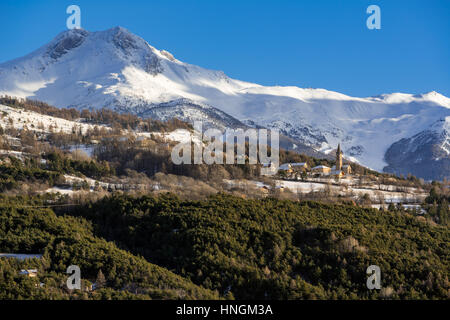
(299, 169)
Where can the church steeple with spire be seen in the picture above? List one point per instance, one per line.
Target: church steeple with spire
(339, 155)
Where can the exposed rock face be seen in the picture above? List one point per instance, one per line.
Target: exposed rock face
(68, 41)
(130, 45)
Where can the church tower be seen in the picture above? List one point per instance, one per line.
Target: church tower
(339, 154)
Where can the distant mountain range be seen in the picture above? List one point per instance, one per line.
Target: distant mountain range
(400, 133)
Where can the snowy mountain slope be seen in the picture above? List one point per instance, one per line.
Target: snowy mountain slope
(189, 111)
(427, 153)
(113, 68)
(119, 70)
(210, 117)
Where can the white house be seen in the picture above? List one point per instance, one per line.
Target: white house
(322, 170)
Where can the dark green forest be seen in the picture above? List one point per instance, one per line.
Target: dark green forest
(228, 247)
(65, 241)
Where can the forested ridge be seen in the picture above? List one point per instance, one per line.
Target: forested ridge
(65, 241)
(280, 249)
(225, 246)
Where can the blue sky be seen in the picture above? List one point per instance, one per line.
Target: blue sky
(314, 43)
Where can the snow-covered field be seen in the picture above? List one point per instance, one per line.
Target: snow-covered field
(20, 119)
(63, 191)
(179, 135)
(38, 122)
(16, 154)
(411, 194)
(417, 207)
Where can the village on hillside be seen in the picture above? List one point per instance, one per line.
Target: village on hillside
(301, 170)
(302, 181)
(140, 158)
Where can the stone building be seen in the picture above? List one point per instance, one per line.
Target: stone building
(340, 169)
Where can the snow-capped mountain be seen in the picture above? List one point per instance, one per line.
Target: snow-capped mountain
(119, 70)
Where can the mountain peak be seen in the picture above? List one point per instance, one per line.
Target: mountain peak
(124, 39)
(66, 41)
(437, 98)
(120, 37)
(120, 32)
(118, 29)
